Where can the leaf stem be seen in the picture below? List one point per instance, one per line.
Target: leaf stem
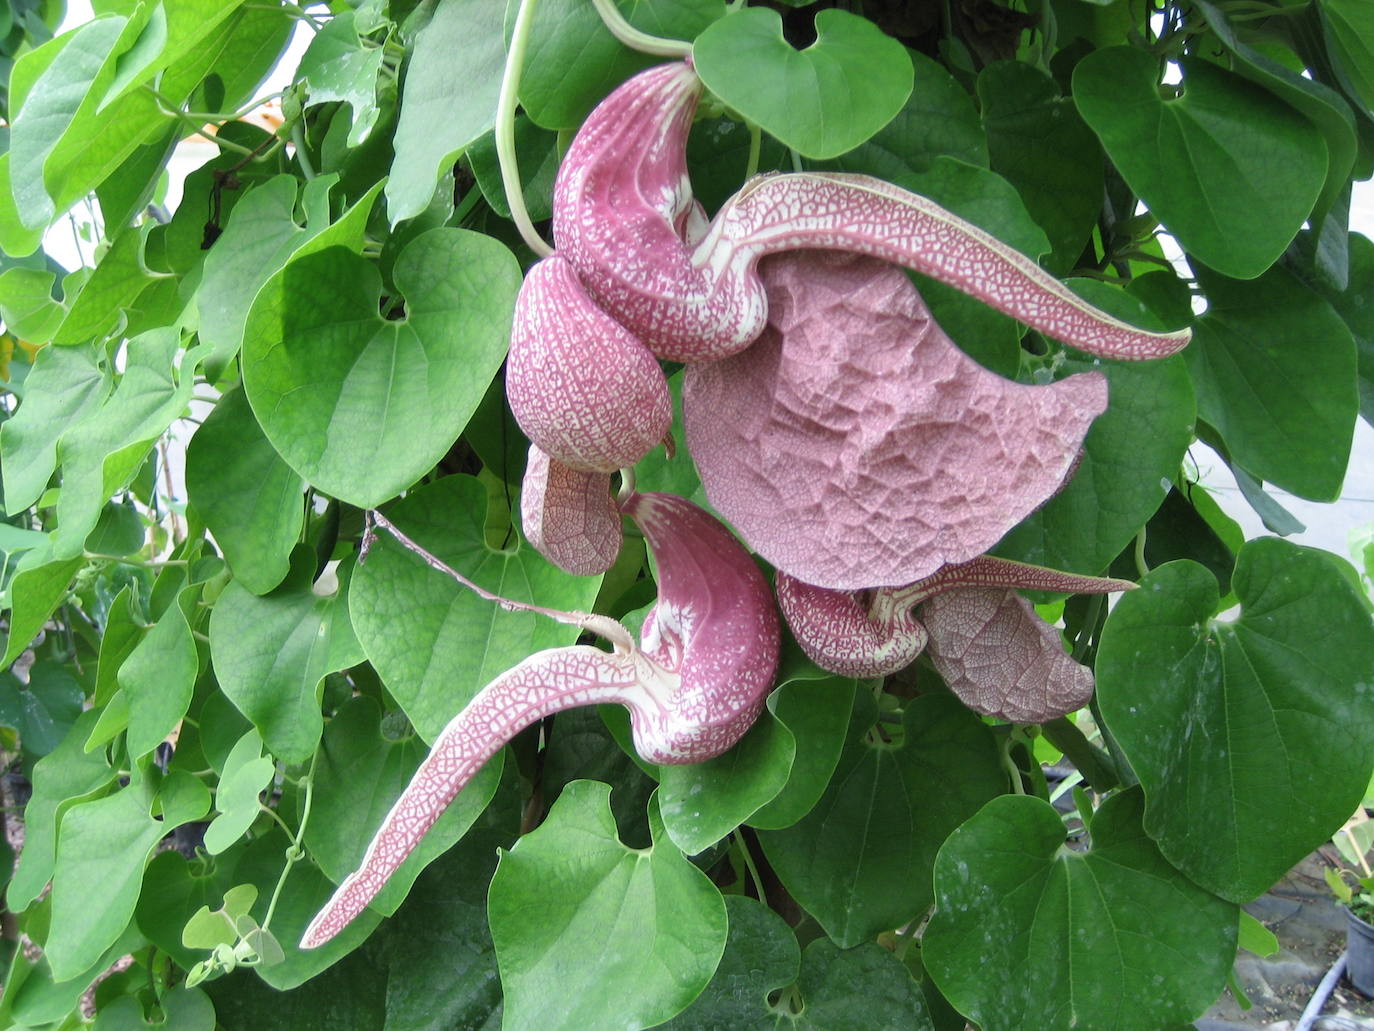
(635, 39)
(505, 130)
(1009, 764)
(751, 166)
(749, 866)
(298, 141)
(295, 852)
(1142, 567)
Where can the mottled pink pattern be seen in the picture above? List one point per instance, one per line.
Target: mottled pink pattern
(872, 633)
(1000, 658)
(715, 626)
(854, 445)
(582, 388)
(852, 633)
(543, 684)
(708, 655)
(570, 517)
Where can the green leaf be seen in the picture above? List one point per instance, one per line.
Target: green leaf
(938, 120)
(573, 61)
(333, 382)
(1275, 372)
(159, 675)
(34, 998)
(39, 586)
(360, 773)
(821, 101)
(1355, 305)
(703, 802)
(260, 238)
(1028, 933)
(116, 282)
(27, 304)
(337, 66)
(537, 151)
(182, 1008)
(249, 498)
(172, 892)
(123, 630)
(1255, 937)
(42, 711)
(609, 916)
(61, 778)
(1228, 168)
(856, 989)
(120, 530)
(448, 100)
(105, 842)
(433, 641)
(1348, 26)
(1122, 478)
(1253, 739)
(272, 653)
(246, 773)
(859, 862)
(101, 454)
(65, 385)
(1040, 144)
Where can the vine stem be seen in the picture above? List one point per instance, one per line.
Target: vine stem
(749, 865)
(505, 130)
(295, 852)
(1142, 567)
(751, 166)
(634, 38)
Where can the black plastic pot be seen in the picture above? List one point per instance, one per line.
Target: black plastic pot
(1359, 943)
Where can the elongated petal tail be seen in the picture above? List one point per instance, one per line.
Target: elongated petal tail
(544, 683)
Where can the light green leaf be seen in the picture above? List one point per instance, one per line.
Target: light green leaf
(102, 453)
(337, 66)
(261, 236)
(857, 989)
(61, 778)
(434, 642)
(249, 498)
(105, 842)
(246, 773)
(65, 386)
(116, 282)
(1253, 739)
(1227, 167)
(859, 862)
(448, 101)
(332, 381)
(27, 305)
(159, 675)
(1255, 937)
(272, 653)
(1275, 372)
(361, 771)
(39, 586)
(821, 101)
(1027, 933)
(610, 916)
(123, 631)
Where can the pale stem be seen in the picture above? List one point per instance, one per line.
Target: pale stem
(1009, 764)
(602, 626)
(505, 130)
(751, 166)
(749, 865)
(636, 39)
(627, 485)
(1141, 565)
(295, 852)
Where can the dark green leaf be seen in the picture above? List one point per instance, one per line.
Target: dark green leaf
(1228, 168)
(1355, 305)
(1275, 372)
(42, 711)
(859, 862)
(1027, 932)
(1253, 739)
(821, 101)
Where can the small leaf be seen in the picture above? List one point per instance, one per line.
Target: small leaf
(332, 380)
(1026, 932)
(650, 919)
(821, 101)
(1253, 740)
(1255, 937)
(246, 773)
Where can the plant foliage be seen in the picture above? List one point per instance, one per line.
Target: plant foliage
(216, 692)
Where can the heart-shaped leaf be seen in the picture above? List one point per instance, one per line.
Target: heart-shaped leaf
(1230, 169)
(434, 642)
(651, 918)
(859, 861)
(1027, 932)
(821, 101)
(1253, 739)
(362, 405)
